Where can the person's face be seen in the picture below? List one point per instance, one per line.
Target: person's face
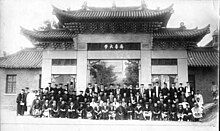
(96, 85)
(71, 103)
(142, 86)
(155, 104)
(26, 90)
(157, 84)
(105, 94)
(59, 92)
(165, 105)
(115, 99)
(111, 93)
(37, 101)
(22, 92)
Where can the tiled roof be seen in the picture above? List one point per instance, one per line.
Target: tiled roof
(53, 34)
(166, 33)
(203, 57)
(176, 33)
(116, 14)
(32, 58)
(27, 58)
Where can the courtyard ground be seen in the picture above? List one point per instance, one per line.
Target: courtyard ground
(11, 122)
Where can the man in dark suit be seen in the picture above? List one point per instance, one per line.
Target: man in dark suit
(81, 97)
(137, 97)
(157, 89)
(165, 90)
(172, 91)
(149, 92)
(21, 103)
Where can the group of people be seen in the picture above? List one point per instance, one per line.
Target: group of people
(117, 102)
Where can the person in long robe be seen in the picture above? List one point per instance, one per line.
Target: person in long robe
(120, 112)
(21, 103)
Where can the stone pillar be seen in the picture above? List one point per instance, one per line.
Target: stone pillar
(145, 73)
(81, 78)
(46, 70)
(182, 70)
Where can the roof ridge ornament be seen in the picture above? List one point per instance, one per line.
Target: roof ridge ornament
(113, 5)
(143, 5)
(84, 6)
(182, 26)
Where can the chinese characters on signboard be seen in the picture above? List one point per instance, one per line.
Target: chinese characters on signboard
(113, 46)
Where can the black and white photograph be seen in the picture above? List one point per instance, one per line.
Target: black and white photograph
(96, 65)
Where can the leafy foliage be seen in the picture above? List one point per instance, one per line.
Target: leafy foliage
(132, 73)
(102, 74)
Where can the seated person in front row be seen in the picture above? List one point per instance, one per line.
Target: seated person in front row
(138, 112)
(147, 113)
(72, 111)
(156, 112)
(89, 111)
(187, 114)
(165, 112)
(97, 112)
(180, 113)
(112, 113)
(105, 111)
(46, 109)
(37, 110)
(62, 109)
(120, 112)
(197, 112)
(54, 112)
(129, 111)
(173, 114)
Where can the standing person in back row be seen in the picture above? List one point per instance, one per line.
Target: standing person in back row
(214, 90)
(157, 89)
(21, 102)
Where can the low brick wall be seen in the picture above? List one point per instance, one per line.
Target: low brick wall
(25, 78)
(203, 78)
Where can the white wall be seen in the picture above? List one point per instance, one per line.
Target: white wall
(164, 69)
(182, 71)
(63, 70)
(47, 68)
(182, 67)
(114, 55)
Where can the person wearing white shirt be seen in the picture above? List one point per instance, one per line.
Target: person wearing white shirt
(199, 98)
(93, 104)
(187, 88)
(29, 100)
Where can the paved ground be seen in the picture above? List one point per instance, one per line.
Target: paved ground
(11, 122)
